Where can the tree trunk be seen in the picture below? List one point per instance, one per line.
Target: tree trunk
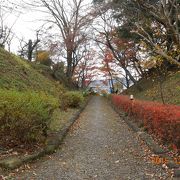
(132, 78)
(30, 45)
(127, 81)
(112, 84)
(161, 91)
(69, 70)
(69, 65)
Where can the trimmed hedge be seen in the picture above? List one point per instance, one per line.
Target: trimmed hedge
(24, 116)
(161, 120)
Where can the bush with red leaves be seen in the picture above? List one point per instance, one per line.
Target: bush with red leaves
(159, 119)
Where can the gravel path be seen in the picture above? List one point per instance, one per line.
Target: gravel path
(99, 146)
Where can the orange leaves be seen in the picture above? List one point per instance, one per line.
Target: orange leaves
(161, 120)
(108, 59)
(123, 44)
(108, 56)
(42, 55)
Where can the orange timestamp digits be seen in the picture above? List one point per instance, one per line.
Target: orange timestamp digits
(164, 160)
(159, 160)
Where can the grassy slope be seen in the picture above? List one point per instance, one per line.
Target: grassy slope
(16, 73)
(19, 74)
(151, 89)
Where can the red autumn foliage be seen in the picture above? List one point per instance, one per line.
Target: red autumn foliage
(159, 119)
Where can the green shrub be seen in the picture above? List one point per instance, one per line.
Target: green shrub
(86, 93)
(25, 115)
(71, 99)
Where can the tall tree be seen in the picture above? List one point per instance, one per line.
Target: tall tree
(72, 19)
(156, 22)
(121, 49)
(28, 49)
(84, 71)
(106, 68)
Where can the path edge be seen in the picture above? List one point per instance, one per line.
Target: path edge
(154, 147)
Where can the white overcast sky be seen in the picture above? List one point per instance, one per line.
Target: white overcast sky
(26, 23)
